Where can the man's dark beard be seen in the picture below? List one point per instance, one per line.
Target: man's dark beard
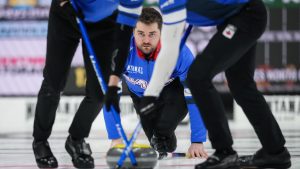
(147, 55)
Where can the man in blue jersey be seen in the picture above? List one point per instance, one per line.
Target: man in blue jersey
(62, 41)
(231, 49)
(145, 45)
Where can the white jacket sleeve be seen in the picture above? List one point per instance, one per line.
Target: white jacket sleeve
(166, 61)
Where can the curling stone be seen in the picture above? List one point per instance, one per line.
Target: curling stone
(146, 156)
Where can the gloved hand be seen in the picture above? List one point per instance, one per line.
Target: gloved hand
(148, 105)
(112, 98)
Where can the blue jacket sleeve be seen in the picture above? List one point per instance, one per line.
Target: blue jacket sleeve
(173, 12)
(198, 130)
(129, 12)
(185, 59)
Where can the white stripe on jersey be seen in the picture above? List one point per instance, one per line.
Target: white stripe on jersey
(136, 11)
(174, 17)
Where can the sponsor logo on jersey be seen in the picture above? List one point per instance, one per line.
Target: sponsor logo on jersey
(142, 83)
(134, 69)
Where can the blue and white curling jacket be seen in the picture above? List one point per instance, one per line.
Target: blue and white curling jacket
(137, 75)
(96, 10)
(198, 12)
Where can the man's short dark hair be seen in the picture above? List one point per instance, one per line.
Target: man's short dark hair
(149, 16)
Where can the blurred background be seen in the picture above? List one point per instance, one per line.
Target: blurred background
(23, 29)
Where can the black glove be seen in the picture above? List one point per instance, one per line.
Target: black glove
(112, 98)
(148, 105)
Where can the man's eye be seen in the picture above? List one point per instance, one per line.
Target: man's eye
(152, 35)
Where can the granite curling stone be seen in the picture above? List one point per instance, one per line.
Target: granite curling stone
(146, 157)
